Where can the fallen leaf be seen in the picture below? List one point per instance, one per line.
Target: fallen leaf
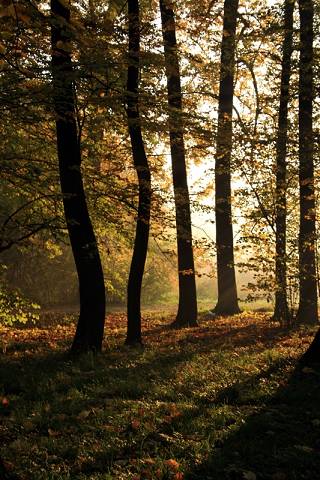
(83, 415)
(28, 425)
(172, 464)
(60, 417)
(8, 466)
(279, 476)
(135, 424)
(247, 475)
(308, 370)
(178, 476)
(147, 474)
(304, 448)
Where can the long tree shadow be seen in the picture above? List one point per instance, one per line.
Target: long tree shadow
(224, 333)
(280, 441)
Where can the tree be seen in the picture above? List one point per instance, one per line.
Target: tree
(308, 309)
(227, 290)
(281, 310)
(89, 333)
(187, 310)
(141, 165)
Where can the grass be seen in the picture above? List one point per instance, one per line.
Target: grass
(222, 401)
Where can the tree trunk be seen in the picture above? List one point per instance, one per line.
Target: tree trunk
(89, 333)
(227, 289)
(187, 311)
(308, 308)
(144, 178)
(281, 310)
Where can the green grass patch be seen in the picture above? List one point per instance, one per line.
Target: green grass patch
(220, 401)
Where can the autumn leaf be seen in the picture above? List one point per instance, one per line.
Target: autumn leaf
(172, 464)
(174, 412)
(308, 370)
(61, 417)
(65, 46)
(83, 415)
(167, 418)
(8, 466)
(135, 424)
(247, 475)
(147, 474)
(5, 402)
(178, 476)
(279, 476)
(28, 425)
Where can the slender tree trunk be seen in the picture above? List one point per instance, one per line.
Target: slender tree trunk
(89, 333)
(308, 308)
(227, 289)
(144, 178)
(187, 311)
(281, 310)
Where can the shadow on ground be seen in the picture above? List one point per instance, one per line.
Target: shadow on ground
(281, 441)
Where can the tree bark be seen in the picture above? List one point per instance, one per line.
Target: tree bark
(308, 308)
(89, 332)
(281, 310)
(141, 165)
(227, 289)
(187, 310)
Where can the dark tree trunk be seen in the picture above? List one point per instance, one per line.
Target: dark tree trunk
(308, 309)
(144, 178)
(281, 310)
(89, 333)
(187, 311)
(227, 289)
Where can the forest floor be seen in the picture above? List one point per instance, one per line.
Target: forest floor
(222, 401)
